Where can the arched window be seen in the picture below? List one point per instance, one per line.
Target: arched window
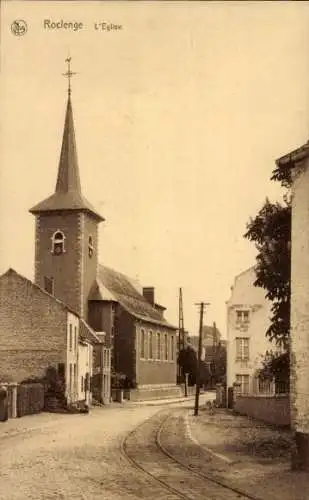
(165, 347)
(143, 344)
(58, 243)
(90, 246)
(158, 345)
(172, 348)
(150, 345)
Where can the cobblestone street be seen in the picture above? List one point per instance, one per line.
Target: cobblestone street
(69, 456)
(84, 457)
(62, 456)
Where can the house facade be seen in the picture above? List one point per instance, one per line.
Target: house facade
(39, 333)
(295, 165)
(248, 318)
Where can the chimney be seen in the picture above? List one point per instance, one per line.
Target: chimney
(148, 293)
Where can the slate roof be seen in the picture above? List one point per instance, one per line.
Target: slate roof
(68, 193)
(87, 333)
(114, 286)
(296, 155)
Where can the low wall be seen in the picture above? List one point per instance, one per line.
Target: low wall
(271, 409)
(30, 398)
(190, 389)
(150, 393)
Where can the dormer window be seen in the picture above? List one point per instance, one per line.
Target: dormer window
(58, 243)
(90, 247)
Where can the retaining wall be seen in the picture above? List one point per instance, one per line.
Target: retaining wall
(271, 409)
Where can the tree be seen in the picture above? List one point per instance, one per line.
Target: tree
(187, 360)
(216, 357)
(270, 231)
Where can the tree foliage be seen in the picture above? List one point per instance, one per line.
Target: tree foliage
(276, 367)
(270, 230)
(187, 360)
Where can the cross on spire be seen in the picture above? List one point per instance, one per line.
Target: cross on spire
(69, 74)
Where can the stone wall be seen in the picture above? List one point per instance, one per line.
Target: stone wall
(271, 409)
(33, 328)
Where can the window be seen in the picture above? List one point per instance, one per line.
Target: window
(166, 347)
(49, 285)
(82, 384)
(143, 344)
(158, 346)
(243, 380)
(71, 377)
(90, 246)
(61, 370)
(75, 375)
(70, 338)
(75, 337)
(58, 243)
(172, 347)
(242, 316)
(242, 348)
(150, 345)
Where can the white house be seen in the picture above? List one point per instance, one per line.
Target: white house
(248, 318)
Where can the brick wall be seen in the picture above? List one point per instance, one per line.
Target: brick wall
(126, 355)
(89, 264)
(64, 268)
(74, 271)
(101, 317)
(33, 329)
(271, 409)
(124, 344)
(153, 368)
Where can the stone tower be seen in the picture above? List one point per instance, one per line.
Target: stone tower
(66, 234)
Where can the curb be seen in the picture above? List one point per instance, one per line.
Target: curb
(189, 435)
(158, 402)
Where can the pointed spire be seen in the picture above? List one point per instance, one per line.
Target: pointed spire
(68, 171)
(68, 193)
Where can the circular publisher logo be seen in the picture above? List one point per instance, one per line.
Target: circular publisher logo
(19, 27)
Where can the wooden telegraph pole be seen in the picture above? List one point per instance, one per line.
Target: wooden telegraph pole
(197, 389)
(180, 333)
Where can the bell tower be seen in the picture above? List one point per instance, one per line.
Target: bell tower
(66, 231)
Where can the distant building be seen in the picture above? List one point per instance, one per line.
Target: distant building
(248, 318)
(213, 353)
(211, 338)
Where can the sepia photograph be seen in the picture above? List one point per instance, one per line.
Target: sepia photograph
(154, 257)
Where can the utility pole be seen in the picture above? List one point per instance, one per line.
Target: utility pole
(214, 352)
(180, 333)
(197, 389)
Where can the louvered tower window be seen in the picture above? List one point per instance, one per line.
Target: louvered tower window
(90, 246)
(58, 243)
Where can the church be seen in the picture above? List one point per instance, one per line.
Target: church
(119, 313)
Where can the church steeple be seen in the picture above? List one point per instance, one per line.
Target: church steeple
(68, 193)
(67, 229)
(68, 171)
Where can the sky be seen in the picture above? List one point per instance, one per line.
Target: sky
(179, 118)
